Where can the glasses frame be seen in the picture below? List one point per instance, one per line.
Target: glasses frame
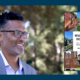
(24, 33)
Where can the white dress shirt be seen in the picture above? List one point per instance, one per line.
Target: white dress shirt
(9, 70)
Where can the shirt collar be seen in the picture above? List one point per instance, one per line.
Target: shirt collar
(20, 64)
(7, 64)
(4, 59)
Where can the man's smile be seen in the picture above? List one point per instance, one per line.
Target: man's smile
(20, 45)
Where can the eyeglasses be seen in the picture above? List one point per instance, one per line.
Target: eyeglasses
(18, 33)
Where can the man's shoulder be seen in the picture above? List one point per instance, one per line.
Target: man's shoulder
(28, 68)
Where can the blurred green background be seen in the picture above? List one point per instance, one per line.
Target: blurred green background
(44, 49)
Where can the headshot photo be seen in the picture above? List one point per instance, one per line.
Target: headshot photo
(13, 38)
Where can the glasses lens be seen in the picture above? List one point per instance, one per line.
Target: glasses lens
(17, 33)
(26, 35)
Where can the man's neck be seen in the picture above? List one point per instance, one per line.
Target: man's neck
(12, 60)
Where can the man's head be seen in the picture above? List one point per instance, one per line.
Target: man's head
(12, 36)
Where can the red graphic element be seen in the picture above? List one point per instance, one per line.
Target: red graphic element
(70, 21)
(70, 60)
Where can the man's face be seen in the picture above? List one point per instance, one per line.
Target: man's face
(10, 43)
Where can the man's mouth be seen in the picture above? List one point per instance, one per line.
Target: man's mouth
(20, 45)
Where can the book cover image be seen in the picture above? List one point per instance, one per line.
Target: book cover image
(71, 21)
(70, 62)
(68, 41)
(72, 41)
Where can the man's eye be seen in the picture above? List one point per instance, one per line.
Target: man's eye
(17, 32)
(24, 33)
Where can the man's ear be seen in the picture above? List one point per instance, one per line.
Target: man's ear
(1, 36)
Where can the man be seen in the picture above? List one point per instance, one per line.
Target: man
(13, 39)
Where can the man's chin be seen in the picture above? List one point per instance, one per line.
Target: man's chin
(20, 52)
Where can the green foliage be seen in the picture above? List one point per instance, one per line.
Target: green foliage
(78, 68)
(78, 28)
(78, 65)
(78, 19)
(74, 15)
